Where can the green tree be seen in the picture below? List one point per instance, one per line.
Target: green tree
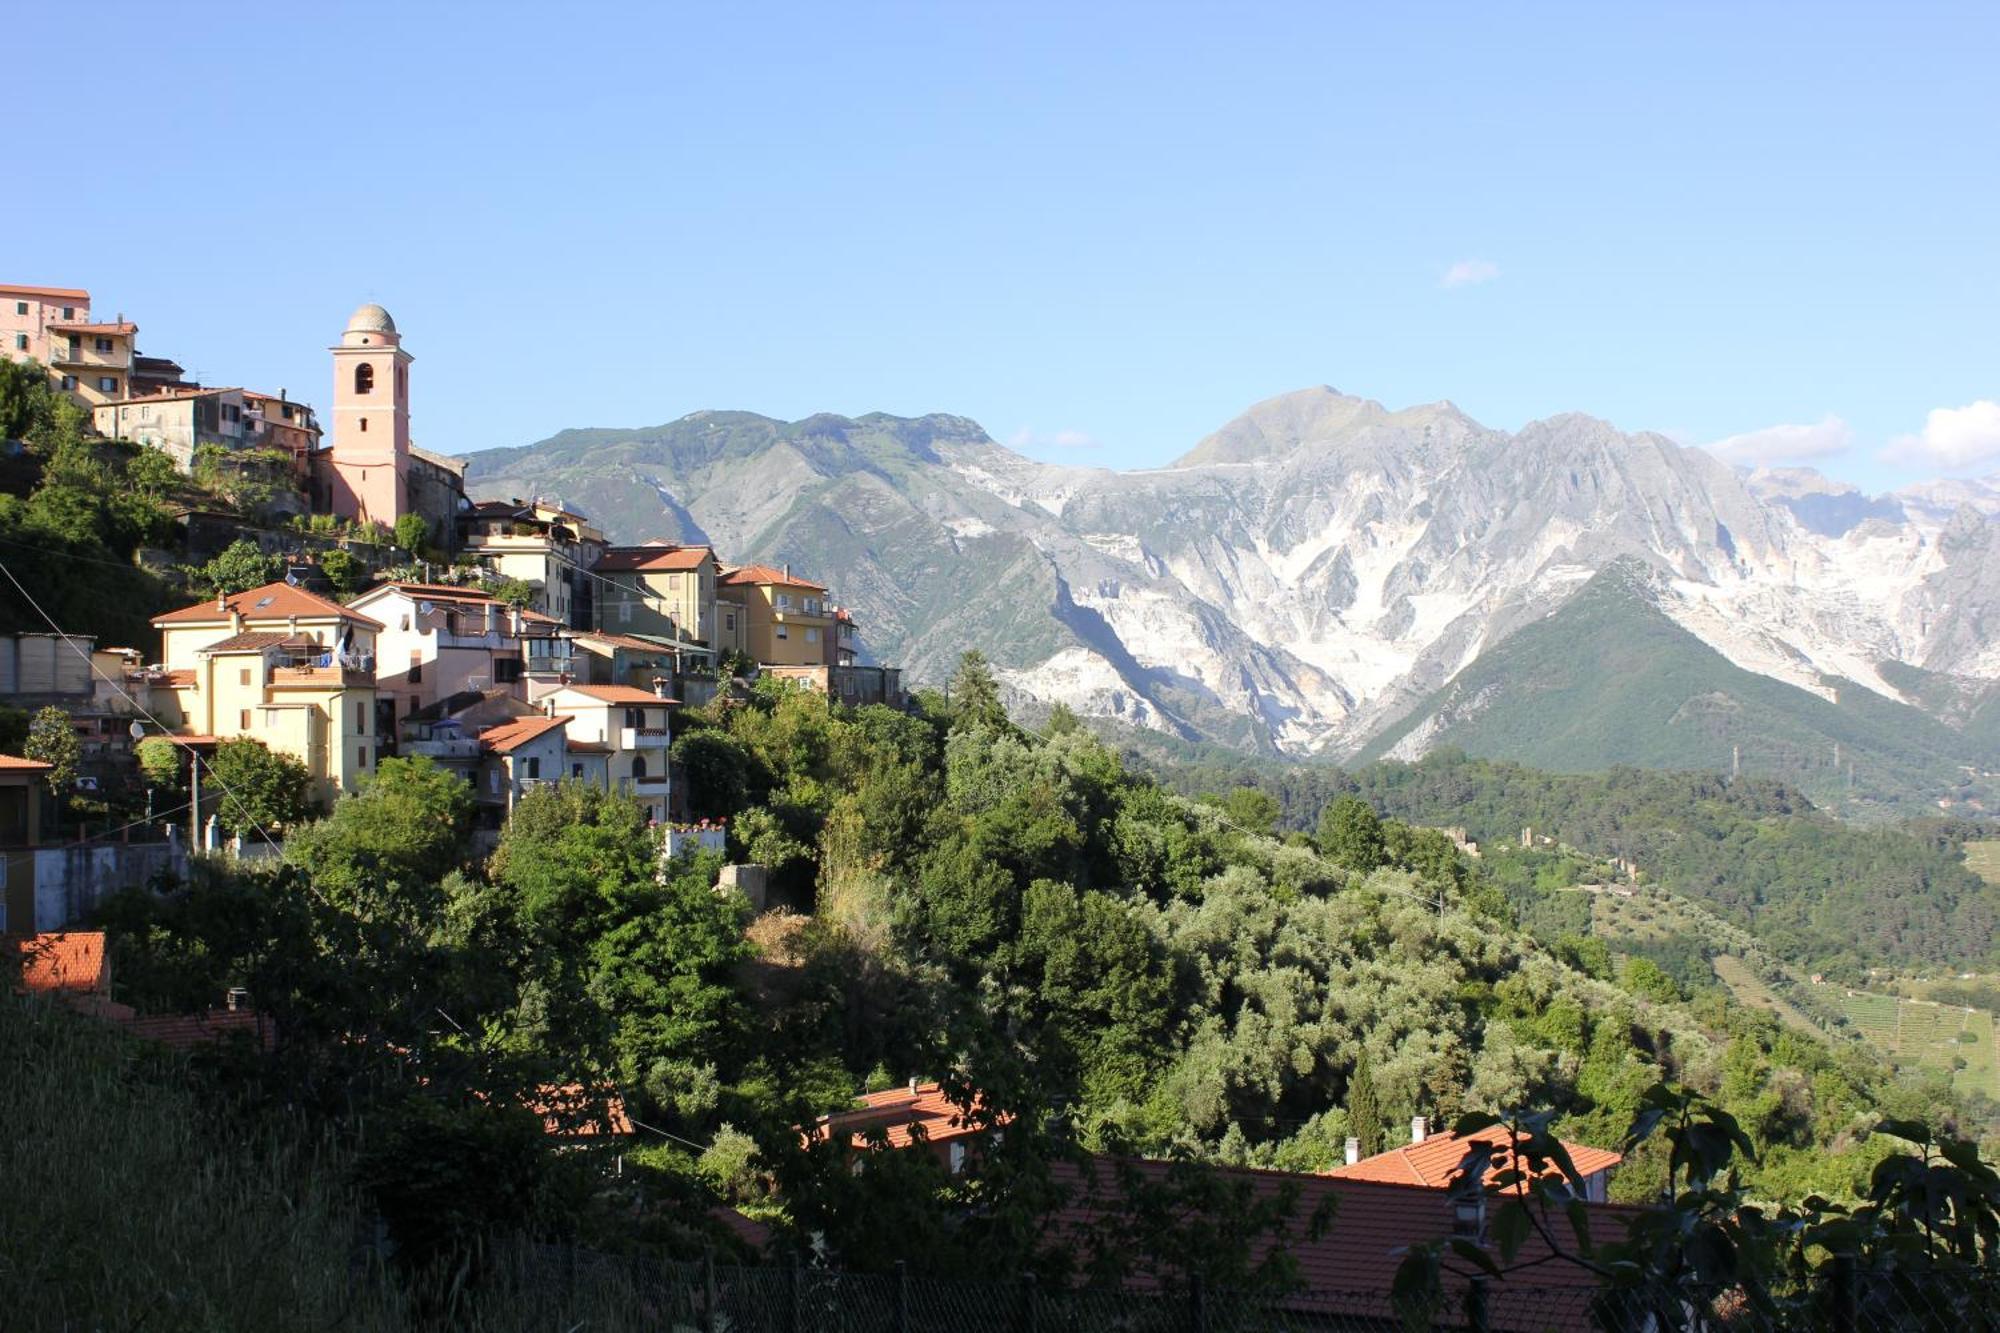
(52, 740)
(413, 533)
(1364, 1109)
(716, 768)
(975, 692)
(257, 788)
(344, 570)
(401, 833)
(518, 593)
(160, 762)
(1350, 834)
(243, 565)
(1252, 809)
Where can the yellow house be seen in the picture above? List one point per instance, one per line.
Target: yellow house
(93, 361)
(780, 620)
(658, 589)
(284, 666)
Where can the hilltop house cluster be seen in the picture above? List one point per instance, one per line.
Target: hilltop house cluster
(578, 683)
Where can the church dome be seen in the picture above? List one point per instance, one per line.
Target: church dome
(371, 318)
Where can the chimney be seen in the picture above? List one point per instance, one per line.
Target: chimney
(235, 621)
(514, 621)
(788, 569)
(913, 1085)
(660, 686)
(487, 627)
(1353, 1150)
(237, 999)
(549, 706)
(1419, 1129)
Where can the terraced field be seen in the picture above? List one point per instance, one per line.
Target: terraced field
(1983, 859)
(1749, 990)
(1926, 1033)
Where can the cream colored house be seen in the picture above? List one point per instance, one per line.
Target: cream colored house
(284, 666)
(550, 548)
(634, 726)
(438, 641)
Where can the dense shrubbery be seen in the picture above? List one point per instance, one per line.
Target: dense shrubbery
(1110, 965)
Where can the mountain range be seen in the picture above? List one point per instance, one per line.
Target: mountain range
(1325, 576)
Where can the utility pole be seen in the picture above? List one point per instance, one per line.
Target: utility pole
(194, 797)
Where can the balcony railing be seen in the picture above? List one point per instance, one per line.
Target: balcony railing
(643, 738)
(456, 747)
(301, 677)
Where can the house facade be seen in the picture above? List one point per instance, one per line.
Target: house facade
(780, 619)
(659, 590)
(28, 316)
(92, 362)
(550, 548)
(177, 422)
(438, 641)
(283, 666)
(634, 727)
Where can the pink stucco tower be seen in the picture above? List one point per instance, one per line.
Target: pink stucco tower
(369, 468)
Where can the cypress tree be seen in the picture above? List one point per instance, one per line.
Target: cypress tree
(1364, 1113)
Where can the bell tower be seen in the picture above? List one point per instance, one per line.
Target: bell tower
(370, 458)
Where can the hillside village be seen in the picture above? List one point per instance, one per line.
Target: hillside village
(509, 641)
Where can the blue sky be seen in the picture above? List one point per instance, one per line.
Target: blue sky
(1100, 230)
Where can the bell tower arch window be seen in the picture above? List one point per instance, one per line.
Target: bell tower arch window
(364, 378)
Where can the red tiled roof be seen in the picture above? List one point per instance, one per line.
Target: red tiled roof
(1350, 1269)
(63, 961)
(626, 559)
(1432, 1163)
(121, 328)
(64, 293)
(14, 764)
(618, 694)
(257, 640)
(175, 394)
(569, 1111)
(510, 736)
(433, 592)
(625, 641)
(279, 601)
(763, 574)
(180, 676)
(898, 1112)
(182, 1031)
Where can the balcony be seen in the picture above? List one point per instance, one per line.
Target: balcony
(652, 782)
(321, 677)
(643, 738)
(444, 750)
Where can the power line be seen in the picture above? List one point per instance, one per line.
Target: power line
(166, 732)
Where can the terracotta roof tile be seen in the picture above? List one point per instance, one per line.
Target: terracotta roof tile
(627, 559)
(70, 327)
(273, 601)
(624, 641)
(183, 1031)
(1432, 1163)
(256, 641)
(763, 574)
(570, 1111)
(63, 961)
(897, 1113)
(510, 736)
(15, 764)
(61, 293)
(1350, 1269)
(618, 694)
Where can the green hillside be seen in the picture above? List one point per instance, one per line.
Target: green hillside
(1610, 680)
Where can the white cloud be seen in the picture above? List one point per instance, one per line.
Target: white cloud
(1786, 444)
(1953, 437)
(1029, 438)
(1469, 273)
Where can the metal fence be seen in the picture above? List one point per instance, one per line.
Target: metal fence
(718, 1298)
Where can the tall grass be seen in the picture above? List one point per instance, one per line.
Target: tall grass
(129, 1202)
